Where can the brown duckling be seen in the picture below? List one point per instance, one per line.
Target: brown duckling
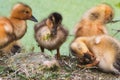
(14, 27)
(50, 33)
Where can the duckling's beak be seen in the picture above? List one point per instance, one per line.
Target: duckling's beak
(87, 56)
(33, 19)
(54, 30)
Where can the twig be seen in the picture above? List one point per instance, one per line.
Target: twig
(9, 76)
(114, 21)
(70, 35)
(67, 64)
(116, 32)
(84, 68)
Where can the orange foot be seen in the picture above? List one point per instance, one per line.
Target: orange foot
(89, 65)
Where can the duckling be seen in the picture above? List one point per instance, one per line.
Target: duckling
(105, 48)
(94, 20)
(50, 33)
(14, 27)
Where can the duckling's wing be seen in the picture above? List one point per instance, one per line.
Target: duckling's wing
(39, 25)
(6, 31)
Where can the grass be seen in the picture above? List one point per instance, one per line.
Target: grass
(26, 67)
(71, 11)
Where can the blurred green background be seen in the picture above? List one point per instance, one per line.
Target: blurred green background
(71, 10)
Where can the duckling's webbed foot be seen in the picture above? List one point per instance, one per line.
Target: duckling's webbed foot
(94, 63)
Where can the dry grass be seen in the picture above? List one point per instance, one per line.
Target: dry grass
(33, 66)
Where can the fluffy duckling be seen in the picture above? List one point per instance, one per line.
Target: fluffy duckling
(50, 33)
(94, 20)
(105, 48)
(14, 27)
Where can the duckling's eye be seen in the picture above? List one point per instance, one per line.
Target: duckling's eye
(26, 12)
(111, 16)
(52, 21)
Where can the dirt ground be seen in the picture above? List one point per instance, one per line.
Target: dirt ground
(33, 66)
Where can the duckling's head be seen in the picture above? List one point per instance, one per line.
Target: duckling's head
(108, 12)
(53, 22)
(103, 13)
(23, 12)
